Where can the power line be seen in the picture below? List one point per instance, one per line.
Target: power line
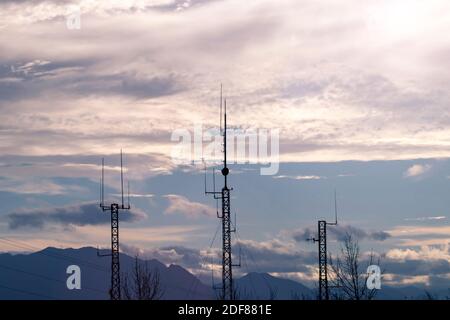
(194, 284)
(45, 277)
(28, 292)
(71, 259)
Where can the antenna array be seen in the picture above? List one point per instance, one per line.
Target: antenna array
(114, 208)
(224, 195)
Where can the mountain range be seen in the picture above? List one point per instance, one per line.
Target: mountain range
(42, 275)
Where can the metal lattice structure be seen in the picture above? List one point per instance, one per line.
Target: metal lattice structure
(323, 254)
(115, 260)
(323, 267)
(114, 208)
(227, 229)
(227, 265)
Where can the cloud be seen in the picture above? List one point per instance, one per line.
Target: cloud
(426, 218)
(73, 215)
(427, 260)
(19, 12)
(36, 186)
(350, 106)
(182, 205)
(135, 195)
(89, 235)
(340, 233)
(23, 174)
(186, 257)
(74, 78)
(306, 177)
(264, 256)
(284, 259)
(416, 236)
(276, 256)
(414, 231)
(417, 170)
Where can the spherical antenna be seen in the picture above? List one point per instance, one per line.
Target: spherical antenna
(225, 171)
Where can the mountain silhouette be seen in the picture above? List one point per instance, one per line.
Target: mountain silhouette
(263, 286)
(42, 275)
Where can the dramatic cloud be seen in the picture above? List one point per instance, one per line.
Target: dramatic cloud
(266, 256)
(282, 258)
(75, 215)
(341, 82)
(152, 64)
(427, 261)
(340, 233)
(182, 205)
(37, 78)
(417, 170)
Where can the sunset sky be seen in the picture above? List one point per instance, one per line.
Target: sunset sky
(358, 91)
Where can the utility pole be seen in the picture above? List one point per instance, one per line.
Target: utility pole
(114, 208)
(227, 229)
(322, 249)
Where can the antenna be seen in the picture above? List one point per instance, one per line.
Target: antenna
(114, 208)
(102, 188)
(128, 194)
(204, 165)
(121, 175)
(214, 179)
(335, 211)
(322, 249)
(220, 126)
(225, 169)
(224, 196)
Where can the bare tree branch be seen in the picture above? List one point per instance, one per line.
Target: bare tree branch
(143, 283)
(347, 279)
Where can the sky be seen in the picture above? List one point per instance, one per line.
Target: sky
(357, 89)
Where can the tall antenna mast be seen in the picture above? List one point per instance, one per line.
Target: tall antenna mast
(113, 208)
(322, 249)
(224, 195)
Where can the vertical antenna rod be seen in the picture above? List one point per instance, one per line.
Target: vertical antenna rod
(121, 175)
(114, 208)
(335, 208)
(128, 193)
(102, 188)
(225, 170)
(221, 99)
